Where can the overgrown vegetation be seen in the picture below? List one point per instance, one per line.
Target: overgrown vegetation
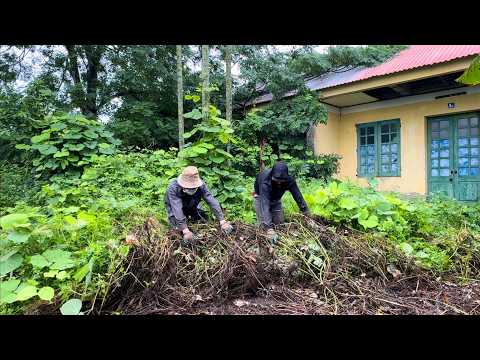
(82, 219)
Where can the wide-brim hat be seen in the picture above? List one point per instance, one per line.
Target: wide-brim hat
(189, 178)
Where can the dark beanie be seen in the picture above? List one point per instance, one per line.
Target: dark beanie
(280, 171)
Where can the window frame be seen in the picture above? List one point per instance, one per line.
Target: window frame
(377, 125)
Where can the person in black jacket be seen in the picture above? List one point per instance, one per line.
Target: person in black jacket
(270, 185)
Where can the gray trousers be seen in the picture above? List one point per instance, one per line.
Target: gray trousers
(275, 208)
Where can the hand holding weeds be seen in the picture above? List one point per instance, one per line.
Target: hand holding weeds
(187, 237)
(272, 236)
(226, 227)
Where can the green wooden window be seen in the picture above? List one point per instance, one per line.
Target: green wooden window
(378, 148)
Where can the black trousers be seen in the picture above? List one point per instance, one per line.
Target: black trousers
(275, 208)
(193, 215)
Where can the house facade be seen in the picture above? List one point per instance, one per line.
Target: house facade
(406, 122)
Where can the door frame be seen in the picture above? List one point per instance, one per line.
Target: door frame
(427, 143)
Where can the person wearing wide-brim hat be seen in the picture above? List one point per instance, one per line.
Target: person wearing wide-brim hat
(182, 202)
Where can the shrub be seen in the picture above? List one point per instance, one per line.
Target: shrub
(68, 143)
(322, 167)
(209, 155)
(16, 184)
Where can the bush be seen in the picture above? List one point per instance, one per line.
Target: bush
(322, 167)
(68, 143)
(442, 235)
(16, 184)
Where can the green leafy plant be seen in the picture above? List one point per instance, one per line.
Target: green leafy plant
(72, 307)
(68, 144)
(208, 153)
(471, 76)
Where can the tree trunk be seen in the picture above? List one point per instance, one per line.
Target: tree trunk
(93, 55)
(228, 82)
(85, 99)
(228, 85)
(77, 94)
(205, 82)
(181, 142)
(262, 146)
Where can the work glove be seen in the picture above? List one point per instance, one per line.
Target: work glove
(272, 236)
(226, 227)
(187, 237)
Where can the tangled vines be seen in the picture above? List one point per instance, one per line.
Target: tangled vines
(314, 269)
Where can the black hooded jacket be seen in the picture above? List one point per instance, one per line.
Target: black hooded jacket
(269, 192)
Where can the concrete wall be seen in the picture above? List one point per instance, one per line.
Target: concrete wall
(326, 136)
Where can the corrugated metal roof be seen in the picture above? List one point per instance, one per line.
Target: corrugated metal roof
(415, 56)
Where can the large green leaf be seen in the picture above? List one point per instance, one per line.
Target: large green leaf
(199, 150)
(75, 147)
(223, 152)
(71, 307)
(194, 114)
(58, 126)
(8, 286)
(46, 293)
(406, 248)
(42, 137)
(26, 293)
(471, 76)
(62, 153)
(7, 297)
(8, 254)
(18, 236)
(347, 203)
(45, 149)
(39, 261)
(61, 259)
(370, 223)
(22, 147)
(10, 264)
(81, 273)
(13, 220)
(217, 160)
(74, 135)
(90, 134)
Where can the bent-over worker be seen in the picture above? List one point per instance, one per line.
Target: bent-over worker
(270, 185)
(182, 202)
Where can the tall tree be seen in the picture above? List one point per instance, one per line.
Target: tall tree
(181, 142)
(85, 95)
(228, 87)
(228, 81)
(205, 81)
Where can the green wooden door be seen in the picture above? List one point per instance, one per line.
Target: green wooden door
(440, 156)
(466, 170)
(453, 156)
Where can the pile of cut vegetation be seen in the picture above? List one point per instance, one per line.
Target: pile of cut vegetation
(315, 268)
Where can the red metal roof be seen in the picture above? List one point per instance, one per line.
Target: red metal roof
(416, 56)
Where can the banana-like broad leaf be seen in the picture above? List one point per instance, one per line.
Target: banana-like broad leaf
(471, 76)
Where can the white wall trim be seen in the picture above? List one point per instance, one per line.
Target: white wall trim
(407, 100)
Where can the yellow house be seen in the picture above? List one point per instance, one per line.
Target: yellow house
(406, 122)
